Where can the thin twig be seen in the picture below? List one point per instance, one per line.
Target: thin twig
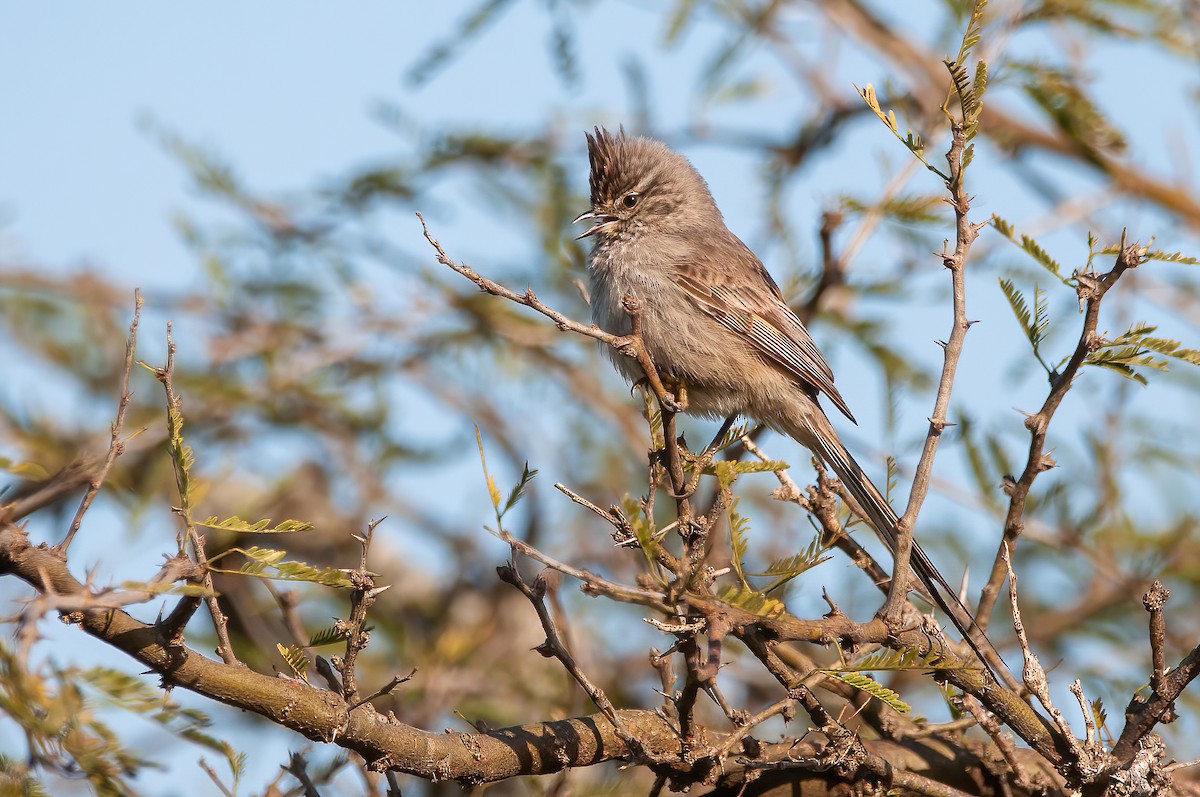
(785, 706)
(298, 768)
(590, 582)
(385, 690)
(1155, 600)
(116, 445)
(166, 376)
(361, 599)
(1144, 713)
(1091, 289)
(212, 775)
(555, 648)
(965, 234)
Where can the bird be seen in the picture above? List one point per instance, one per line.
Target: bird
(714, 323)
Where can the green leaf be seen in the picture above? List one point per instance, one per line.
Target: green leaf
(746, 597)
(1016, 300)
(1107, 360)
(646, 533)
(263, 526)
(1031, 247)
(910, 139)
(182, 458)
(785, 569)
(326, 636)
(26, 470)
(493, 491)
(739, 527)
(269, 563)
(887, 660)
(295, 659)
(1135, 348)
(867, 684)
(727, 470)
(135, 695)
(162, 588)
(518, 489)
(1171, 257)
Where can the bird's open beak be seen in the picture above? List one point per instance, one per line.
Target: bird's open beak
(601, 224)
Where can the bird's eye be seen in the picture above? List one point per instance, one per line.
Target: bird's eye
(630, 199)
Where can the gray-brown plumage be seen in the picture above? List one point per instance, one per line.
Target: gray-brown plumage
(714, 321)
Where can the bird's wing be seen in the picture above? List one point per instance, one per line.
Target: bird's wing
(754, 308)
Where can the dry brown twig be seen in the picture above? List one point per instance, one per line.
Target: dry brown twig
(554, 647)
(116, 445)
(1091, 289)
(362, 597)
(189, 533)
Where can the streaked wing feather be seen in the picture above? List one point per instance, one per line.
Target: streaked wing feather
(777, 333)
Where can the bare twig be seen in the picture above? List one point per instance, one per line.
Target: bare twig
(965, 234)
(1144, 713)
(166, 376)
(212, 775)
(554, 647)
(819, 502)
(1155, 601)
(590, 582)
(298, 768)
(785, 707)
(361, 599)
(116, 445)
(1000, 737)
(1091, 289)
(386, 689)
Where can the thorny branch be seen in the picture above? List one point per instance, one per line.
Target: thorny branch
(695, 598)
(965, 234)
(1091, 289)
(554, 647)
(361, 599)
(1142, 714)
(166, 376)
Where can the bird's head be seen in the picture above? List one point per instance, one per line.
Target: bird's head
(640, 182)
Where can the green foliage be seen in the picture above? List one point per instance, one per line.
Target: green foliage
(970, 92)
(899, 661)
(758, 600)
(867, 684)
(986, 460)
(326, 636)
(909, 139)
(1062, 95)
(1136, 348)
(270, 563)
(727, 470)
(1031, 247)
(781, 571)
(263, 526)
(58, 714)
(1155, 254)
(160, 588)
(27, 470)
(500, 504)
(137, 696)
(1034, 324)
(295, 659)
(903, 208)
(443, 51)
(182, 459)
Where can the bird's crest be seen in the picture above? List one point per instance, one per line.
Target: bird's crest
(602, 155)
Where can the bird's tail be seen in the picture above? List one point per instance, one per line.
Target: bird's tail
(818, 434)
